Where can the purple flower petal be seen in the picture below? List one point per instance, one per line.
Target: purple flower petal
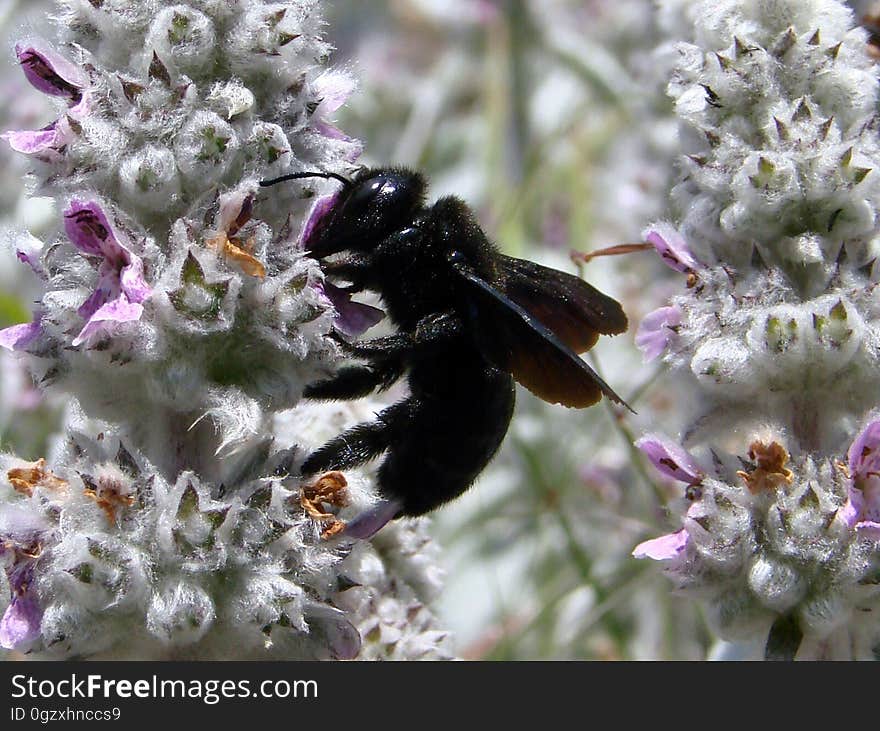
(21, 575)
(671, 246)
(104, 292)
(663, 548)
(368, 523)
(121, 286)
(31, 143)
(869, 528)
(88, 228)
(18, 337)
(321, 208)
(112, 282)
(20, 534)
(334, 133)
(853, 508)
(116, 311)
(862, 508)
(50, 73)
(29, 249)
(342, 638)
(45, 144)
(861, 511)
(355, 147)
(670, 458)
(132, 281)
(21, 621)
(81, 109)
(333, 88)
(656, 331)
(864, 456)
(871, 494)
(353, 318)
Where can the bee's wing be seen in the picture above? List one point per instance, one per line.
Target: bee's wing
(516, 340)
(573, 310)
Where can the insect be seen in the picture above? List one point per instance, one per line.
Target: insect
(470, 321)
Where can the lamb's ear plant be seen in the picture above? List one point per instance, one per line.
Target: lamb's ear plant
(775, 332)
(180, 319)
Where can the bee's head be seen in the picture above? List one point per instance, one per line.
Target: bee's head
(366, 209)
(376, 203)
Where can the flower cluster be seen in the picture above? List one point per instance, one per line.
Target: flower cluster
(776, 540)
(180, 314)
(775, 331)
(171, 266)
(107, 558)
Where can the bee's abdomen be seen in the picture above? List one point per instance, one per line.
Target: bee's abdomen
(458, 420)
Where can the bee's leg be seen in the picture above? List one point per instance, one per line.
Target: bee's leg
(361, 443)
(430, 330)
(351, 448)
(354, 268)
(390, 346)
(356, 381)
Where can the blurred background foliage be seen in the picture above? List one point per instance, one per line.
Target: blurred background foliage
(550, 118)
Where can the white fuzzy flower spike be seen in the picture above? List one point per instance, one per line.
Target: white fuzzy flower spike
(775, 331)
(180, 316)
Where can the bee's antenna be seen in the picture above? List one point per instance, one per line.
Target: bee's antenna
(297, 176)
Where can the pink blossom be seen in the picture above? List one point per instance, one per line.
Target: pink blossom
(30, 143)
(18, 337)
(352, 318)
(45, 144)
(664, 548)
(28, 250)
(670, 458)
(333, 88)
(114, 311)
(319, 212)
(20, 535)
(861, 511)
(55, 75)
(21, 621)
(371, 521)
(121, 287)
(863, 456)
(672, 247)
(657, 330)
(50, 72)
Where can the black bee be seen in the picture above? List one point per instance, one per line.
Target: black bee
(469, 322)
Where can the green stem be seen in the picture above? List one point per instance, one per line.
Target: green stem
(636, 458)
(579, 557)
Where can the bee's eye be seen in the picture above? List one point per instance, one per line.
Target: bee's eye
(455, 257)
